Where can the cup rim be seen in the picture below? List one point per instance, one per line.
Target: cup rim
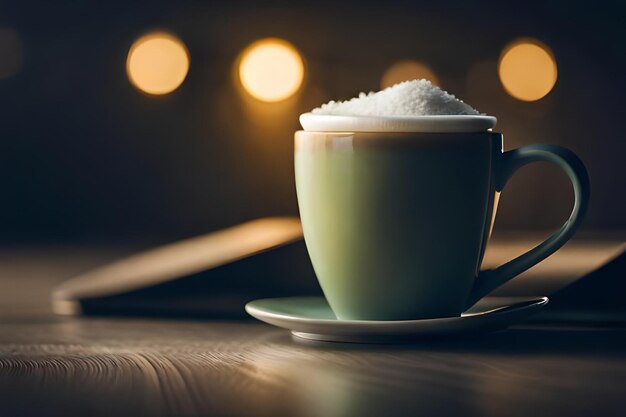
(409, 124)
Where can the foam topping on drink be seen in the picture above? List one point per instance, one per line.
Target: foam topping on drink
(408, 98)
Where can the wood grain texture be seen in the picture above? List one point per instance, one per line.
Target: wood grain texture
(100, 367)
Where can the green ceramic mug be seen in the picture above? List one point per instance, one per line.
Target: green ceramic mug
(396, 223)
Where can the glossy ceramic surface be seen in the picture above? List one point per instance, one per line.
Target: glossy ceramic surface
(312, 318)
(396, 224)
(431, 124)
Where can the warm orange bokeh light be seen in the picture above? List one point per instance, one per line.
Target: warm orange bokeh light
(407, 70)
(157, 63)
(271, 69)
(527, 69)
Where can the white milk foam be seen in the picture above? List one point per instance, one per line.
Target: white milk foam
(410, 106)
(408, 98)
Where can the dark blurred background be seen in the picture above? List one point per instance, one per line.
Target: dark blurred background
(84, 155)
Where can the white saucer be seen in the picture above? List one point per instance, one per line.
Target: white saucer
(312, 318)
(430, 124)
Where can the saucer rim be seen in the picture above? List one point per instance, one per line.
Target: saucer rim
(537, 302)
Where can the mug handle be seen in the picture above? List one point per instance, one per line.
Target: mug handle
(488, 280)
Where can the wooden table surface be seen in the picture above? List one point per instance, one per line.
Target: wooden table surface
(99, 367)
